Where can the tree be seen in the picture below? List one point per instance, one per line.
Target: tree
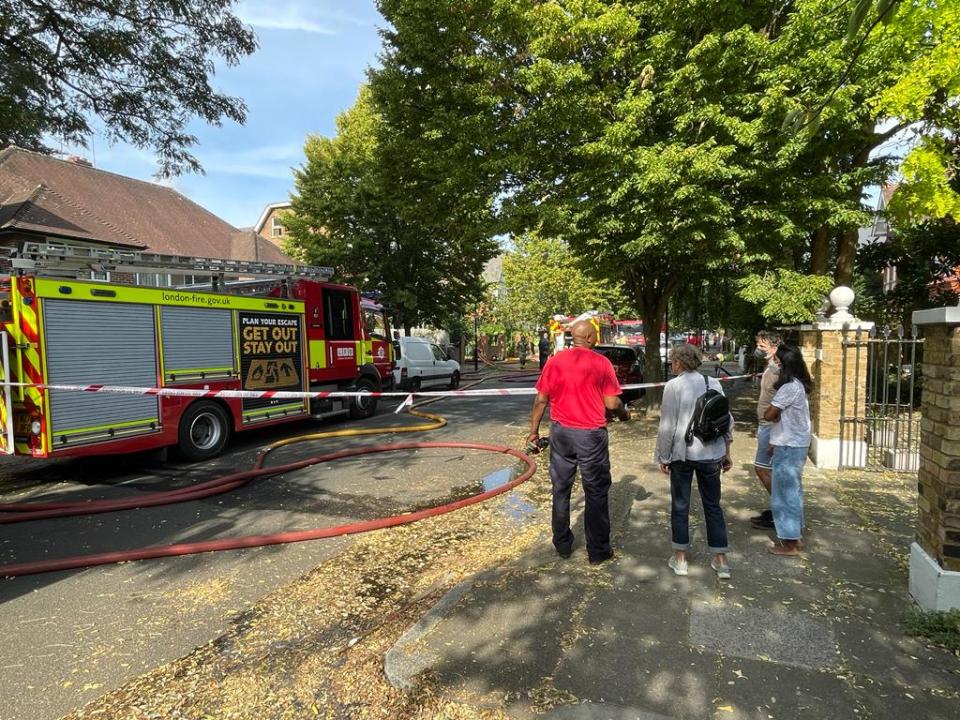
(926, 257)
(925, 95)
(142, 67)
(351, 211)
(543, 277)
(651, 135)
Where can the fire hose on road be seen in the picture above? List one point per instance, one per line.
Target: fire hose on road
(22, 512)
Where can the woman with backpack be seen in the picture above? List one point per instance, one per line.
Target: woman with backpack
(789, 413)
(694, 439)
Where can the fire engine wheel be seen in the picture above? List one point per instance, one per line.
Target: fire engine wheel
(363, 407)
(455, 380)
(204, 431)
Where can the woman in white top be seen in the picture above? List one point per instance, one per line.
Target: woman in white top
(682, 459)
(789, 414)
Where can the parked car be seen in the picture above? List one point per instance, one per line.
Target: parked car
(628, 365)
(420, 363)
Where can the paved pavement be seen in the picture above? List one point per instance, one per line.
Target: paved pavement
(71, 636)
(813, 638)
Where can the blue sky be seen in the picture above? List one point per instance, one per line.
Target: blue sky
(312, 59)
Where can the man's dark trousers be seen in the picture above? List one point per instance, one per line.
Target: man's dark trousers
(588, 449)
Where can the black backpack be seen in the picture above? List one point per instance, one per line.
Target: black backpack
(711, 416)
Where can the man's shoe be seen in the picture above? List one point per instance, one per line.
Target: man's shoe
(765, 516)
(762, 524)
(565, 554)
(597, 559)
(679, 568)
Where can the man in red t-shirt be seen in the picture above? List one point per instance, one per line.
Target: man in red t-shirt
(580, 385)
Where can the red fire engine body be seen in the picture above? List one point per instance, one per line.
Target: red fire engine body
(304, 334)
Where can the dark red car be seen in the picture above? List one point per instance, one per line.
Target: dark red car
(627, 364)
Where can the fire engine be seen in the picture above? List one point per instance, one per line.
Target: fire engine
(602, 322)
(630, 332)
(275, 327)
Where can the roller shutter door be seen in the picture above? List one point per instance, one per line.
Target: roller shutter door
(106, 344)
(197, 343)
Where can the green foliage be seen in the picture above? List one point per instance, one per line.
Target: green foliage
(926, 257)
(928, 190)
(649, 135)
(785, 296)
(543, 277)
(926, 93)
(142, 67)
(714, 304)
(355, 210)
(939, 628)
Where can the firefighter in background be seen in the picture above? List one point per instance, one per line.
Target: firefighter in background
(543, 348)
(557, 332)
(523, 349)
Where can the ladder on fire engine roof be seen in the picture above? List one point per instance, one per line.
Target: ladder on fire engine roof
(77, 261)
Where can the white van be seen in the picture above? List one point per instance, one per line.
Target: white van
(420, 363)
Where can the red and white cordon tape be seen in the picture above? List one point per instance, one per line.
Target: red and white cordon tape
(298, 395)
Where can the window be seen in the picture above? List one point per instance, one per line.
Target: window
(337, 315)
(185, 280)
(438, 354)
(277, 229)
(618, 355)
(104, 276)
(375, 324)
(153, 279)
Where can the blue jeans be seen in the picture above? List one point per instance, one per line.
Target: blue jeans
(786, 495)
(708, 481)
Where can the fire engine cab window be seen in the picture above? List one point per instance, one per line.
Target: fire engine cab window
(338, 315)
(373, 321)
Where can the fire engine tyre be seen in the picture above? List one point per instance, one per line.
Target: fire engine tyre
(204, 431)
(455, 380)
(363, 407)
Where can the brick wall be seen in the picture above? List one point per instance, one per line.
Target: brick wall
(267, 230)
(938, 482)
(828, 378)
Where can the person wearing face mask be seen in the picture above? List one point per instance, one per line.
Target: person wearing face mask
(767, 344)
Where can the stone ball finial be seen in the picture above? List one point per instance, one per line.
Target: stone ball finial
(841, 297)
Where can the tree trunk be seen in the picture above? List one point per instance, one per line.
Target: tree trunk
(847, 244)
(820, 251)
(652, 319)
(846, 257)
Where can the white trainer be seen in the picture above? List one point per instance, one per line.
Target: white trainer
(679, 567)
(722, 571)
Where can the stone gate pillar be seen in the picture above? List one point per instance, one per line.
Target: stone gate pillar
(935, 555)
(838, 383)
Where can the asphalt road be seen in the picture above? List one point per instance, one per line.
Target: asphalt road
(70, 636)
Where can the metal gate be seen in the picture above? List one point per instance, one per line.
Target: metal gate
(880, 399)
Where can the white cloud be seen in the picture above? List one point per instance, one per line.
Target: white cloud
(290, 16)
(268, 161)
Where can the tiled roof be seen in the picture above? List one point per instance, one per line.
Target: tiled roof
(42, 194)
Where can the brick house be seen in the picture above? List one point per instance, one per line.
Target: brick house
(69, 202)
(270, 224)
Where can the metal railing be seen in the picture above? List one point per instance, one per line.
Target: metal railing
(880, 399)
